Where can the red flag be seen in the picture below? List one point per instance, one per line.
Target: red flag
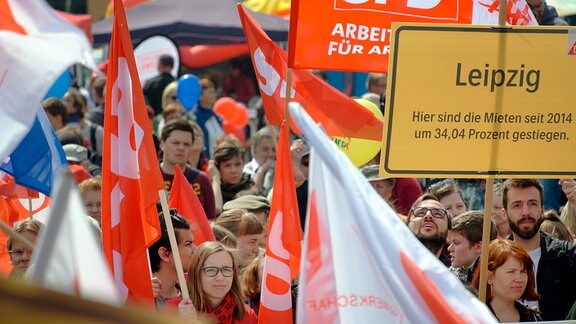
(338, 114)
(355, 35)
(284, 237)
(131, 176)
(183, 198)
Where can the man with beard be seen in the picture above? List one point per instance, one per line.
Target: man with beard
(554, 260)
(430, 222)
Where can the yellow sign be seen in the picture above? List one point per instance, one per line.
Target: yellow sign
(471, 101)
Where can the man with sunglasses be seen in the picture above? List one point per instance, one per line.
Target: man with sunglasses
(429, 221)
(164, 276)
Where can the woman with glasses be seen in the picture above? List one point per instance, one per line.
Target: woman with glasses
(20, 254)
(214, 287)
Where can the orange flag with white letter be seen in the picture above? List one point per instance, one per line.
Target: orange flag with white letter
(353, 35)
(282, 262)
(338, 114)
(131, 176)
(183, 198)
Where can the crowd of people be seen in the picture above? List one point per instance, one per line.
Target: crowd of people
(532, 254)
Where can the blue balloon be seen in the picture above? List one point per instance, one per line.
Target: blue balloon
(60, 86)
(189, 90)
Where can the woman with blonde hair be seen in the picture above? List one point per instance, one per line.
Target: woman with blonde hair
(248, 230)
(214, 287)
(20, 254)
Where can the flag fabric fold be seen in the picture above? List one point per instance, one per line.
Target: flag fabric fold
(282, 262)
(131, 176)
(339, 114)
(183, 198)
(393, 277)
(67, 257)
(36, 46)
(39, 158)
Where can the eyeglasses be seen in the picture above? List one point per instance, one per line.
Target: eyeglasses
(437, 185)
(18, 253)
(213, 271)
(420, 212)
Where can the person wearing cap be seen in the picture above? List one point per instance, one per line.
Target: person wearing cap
(77, 157)
(401, 193)
(154, 87)
(257, 205)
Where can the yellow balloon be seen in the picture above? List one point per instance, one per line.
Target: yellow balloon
(360, 151)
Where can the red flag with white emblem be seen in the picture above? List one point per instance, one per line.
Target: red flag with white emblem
(284, 238)
(131, 177)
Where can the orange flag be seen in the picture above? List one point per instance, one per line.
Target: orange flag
(183, 198)
(352, 35)
(131, 176)
(284, 236)
(338, 114)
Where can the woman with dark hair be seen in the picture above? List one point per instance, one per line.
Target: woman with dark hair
(214, 287)
(228, 179)
(510, 278)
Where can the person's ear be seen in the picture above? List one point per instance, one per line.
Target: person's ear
(477, 248)
(162, 145)
(503, 213)
(164, 254)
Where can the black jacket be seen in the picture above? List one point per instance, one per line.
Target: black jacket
(556, 278)
(154, 88)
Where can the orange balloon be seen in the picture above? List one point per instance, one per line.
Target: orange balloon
(226, 108)
(231, 129)
(241, 118)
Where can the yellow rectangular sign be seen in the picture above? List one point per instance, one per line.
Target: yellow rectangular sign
(478, 101)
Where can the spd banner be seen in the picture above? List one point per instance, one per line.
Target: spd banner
(354, 35)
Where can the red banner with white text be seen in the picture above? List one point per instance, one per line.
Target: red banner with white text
(354, 35)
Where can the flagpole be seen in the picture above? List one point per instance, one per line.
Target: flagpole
(174, 245)
(486, 229)
(15, 236)
(30, 210)
(487, 225)
(287, 95)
